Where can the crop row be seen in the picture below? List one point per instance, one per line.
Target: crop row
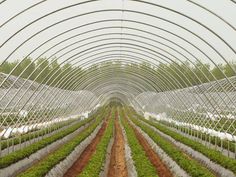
(44, 166)
(141, 161)
(223, 124)
(31, 135)
(212, 154)
(191, 166)
(27, 151)
(93, 168)
(231, 146)
(129, 120)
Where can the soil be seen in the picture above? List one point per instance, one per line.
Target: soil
(86, 155)
(188, 156)
(42, 157)
(161, 168)
(117, 166)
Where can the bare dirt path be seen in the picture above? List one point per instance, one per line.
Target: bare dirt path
(161, 168)
(84, 158)
(117, 166)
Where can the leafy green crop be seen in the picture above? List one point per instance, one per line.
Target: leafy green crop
(229, 145)
(42, 168)
(27, 151)
(212, 154)
(94, 166)
(191, 166)
(143, 166)
(32, 135)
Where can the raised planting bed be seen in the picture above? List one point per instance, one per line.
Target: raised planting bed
(143, 166)
(212, 154)
(27, 139)
(216, 142)
(45, 165)
(95, 164)
(161, 168)
(191, 166)
(27, 151)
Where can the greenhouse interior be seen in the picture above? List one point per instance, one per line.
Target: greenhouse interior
(117, 88)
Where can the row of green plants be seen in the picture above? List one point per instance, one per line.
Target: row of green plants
(44, 166)
(143, 166)
(93, 168)
(212, 154)
(191, 166)
(231, 146)
(27, 151)
(31, 135)
(222, 124)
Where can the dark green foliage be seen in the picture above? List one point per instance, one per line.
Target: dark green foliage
(42, 168)
(191, 166)
(212, 154)
(31, 135)
(94, 166)
(143, 166)
(27, 151)
(172, 75)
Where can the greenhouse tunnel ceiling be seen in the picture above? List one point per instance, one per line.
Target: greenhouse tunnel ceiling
(174, 60)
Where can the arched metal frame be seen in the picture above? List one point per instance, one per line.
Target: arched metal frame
(146, 91)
